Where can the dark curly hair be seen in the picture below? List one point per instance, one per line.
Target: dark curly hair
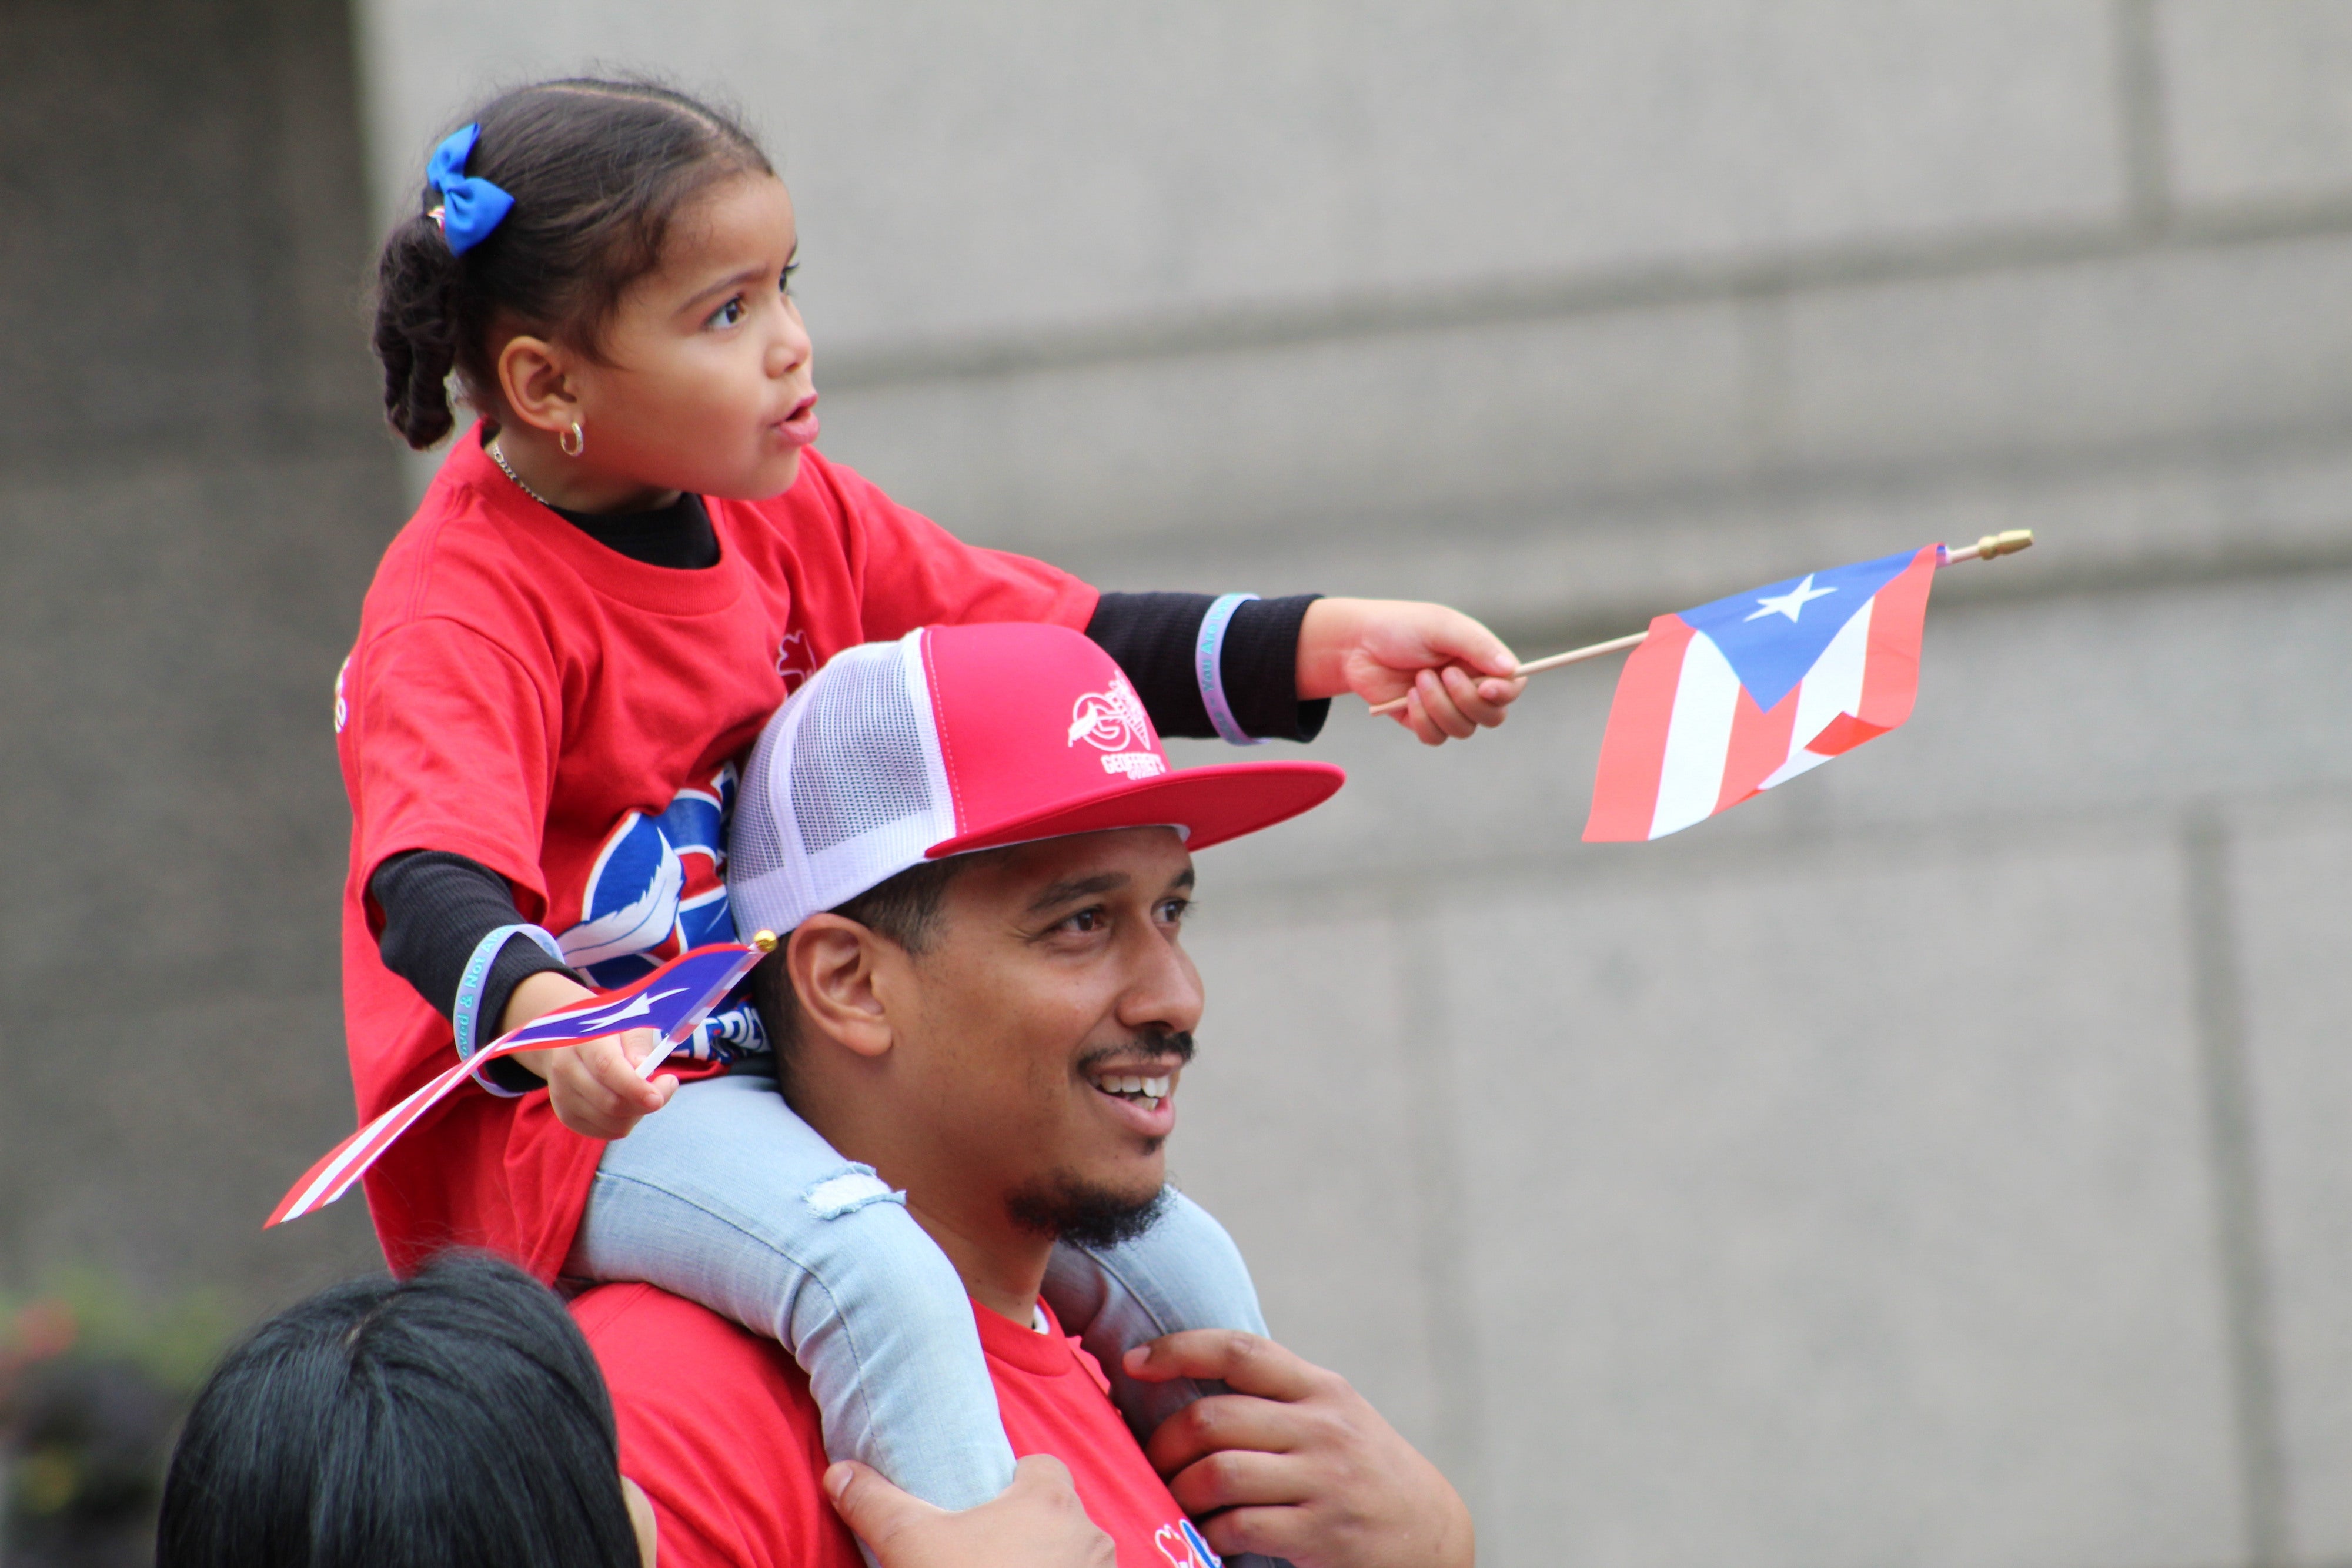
(598, 171)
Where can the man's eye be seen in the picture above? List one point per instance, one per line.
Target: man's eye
(729, 314)
(1173, 910)
(1086, 920)
(784, 284)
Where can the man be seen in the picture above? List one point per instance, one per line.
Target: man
(995, 1015)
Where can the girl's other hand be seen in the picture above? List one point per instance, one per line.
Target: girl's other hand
(1455, 675)
(595, 1087)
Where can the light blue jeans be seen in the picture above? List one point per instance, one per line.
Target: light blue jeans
(727, 1198)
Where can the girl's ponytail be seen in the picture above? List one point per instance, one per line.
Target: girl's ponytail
(416, 330)
(587, 176)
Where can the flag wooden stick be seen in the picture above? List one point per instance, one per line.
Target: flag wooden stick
(1986, 549)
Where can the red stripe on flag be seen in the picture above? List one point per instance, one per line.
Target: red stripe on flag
(1633, 747)
(1890, 676)
(1842, 734)
(1759, 744)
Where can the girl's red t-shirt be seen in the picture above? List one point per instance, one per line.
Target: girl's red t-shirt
(571, 719)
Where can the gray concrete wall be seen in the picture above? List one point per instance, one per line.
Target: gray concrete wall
(1935, 1162)
(192, 492)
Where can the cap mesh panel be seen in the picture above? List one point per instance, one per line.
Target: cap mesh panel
(837, 795)
(857, 760)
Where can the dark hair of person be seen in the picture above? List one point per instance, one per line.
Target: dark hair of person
(598, 170)
(452, 1420)
(906, 909)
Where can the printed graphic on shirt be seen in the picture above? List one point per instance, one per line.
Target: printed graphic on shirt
(1114, 721)
(342, 708)
(1183, 1547)
(794, 661)
(657, 891)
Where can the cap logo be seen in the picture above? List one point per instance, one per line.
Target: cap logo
(1114, 721)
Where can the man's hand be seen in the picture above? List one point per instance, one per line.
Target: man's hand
(595, 1088)
(1038, 1522)
(1294, 1464)
(1454, 674)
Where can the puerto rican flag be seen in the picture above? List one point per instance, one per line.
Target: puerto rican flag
(671, 1001)
(1724, 701)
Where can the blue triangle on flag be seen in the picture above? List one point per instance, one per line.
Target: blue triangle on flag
(1772, 635)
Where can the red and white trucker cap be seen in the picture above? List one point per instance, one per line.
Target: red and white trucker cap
(956, 738)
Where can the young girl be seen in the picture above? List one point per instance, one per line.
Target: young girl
(618, 574)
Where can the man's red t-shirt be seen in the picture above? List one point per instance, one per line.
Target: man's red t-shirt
(718, 1426)
(524, 696)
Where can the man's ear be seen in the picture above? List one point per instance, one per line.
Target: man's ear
(831, 963)
(535, 379)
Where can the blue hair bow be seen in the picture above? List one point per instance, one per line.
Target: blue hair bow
(470, 208)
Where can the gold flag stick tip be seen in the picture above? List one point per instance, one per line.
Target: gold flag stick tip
(765, 941)
(1991, 546)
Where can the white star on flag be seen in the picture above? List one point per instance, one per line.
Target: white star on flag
(590, 1024)
(1791, 603)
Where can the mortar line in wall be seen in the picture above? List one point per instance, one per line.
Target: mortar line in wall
(1450, 1320)
(1865, 843)
(1245, 327)
(2250, 1345)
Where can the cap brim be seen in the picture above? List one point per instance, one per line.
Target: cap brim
(1211, 804)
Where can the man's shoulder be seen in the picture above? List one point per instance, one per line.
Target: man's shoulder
(718, 1426)
(622, 1321)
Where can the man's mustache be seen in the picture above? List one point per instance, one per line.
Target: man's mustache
(1177, 1043)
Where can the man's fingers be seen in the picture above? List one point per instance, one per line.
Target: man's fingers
(1240, 1479)
(871, 1506)
(1243, 1361)
(1276, 1531)
(1038, 1522)
(1045, 1475)
(1225, 1423)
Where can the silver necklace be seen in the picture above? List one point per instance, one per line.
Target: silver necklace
(507, 469)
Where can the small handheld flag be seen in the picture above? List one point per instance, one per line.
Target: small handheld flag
(671, 1001)
(1723, 702)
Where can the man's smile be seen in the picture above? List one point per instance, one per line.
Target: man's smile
(1139, 1080)
(1148, 1092)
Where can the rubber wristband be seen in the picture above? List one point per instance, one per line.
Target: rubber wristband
(463, 1019)
(1209, 668)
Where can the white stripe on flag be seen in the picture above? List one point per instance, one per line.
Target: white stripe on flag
(1833, 686)
(354, 1149)
(1698, 739)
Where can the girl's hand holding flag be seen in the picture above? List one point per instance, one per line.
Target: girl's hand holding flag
(1722, 702)
(666, 1004)
(596, 1088)
(1449, 675)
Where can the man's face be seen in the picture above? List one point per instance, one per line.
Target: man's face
(1054, 1015)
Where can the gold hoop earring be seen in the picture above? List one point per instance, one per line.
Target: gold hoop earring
(572, 441)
